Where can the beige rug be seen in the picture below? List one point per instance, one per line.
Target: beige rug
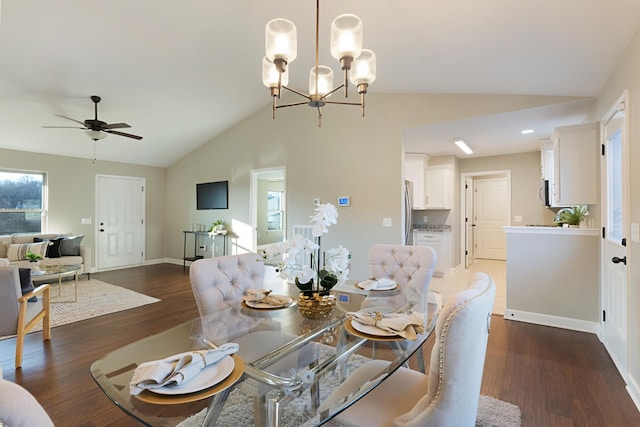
(95, 298)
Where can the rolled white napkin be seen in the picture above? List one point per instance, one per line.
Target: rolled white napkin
(176, 369)
(265, 296)
(382, 284)
(407, 325)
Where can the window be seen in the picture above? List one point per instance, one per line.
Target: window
(22, 207)
(275, 212)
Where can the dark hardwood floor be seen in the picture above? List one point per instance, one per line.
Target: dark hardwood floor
(557, 377)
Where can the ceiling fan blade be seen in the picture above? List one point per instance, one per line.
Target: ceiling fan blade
(64, 127)
(115, 126)
(69, 118)
(128, 135)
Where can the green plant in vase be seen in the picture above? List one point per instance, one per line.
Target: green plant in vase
(33, 257)
(573, 215)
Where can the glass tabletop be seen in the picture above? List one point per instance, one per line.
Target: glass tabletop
(54, 269)
(290, 365)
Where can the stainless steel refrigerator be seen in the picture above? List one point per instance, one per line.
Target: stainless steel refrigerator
(408, 206)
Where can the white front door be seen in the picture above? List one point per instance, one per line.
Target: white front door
(120, 209)
(469, 253)
(491, 212)
(615, 262)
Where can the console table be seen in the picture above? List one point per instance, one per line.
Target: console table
(197, 238)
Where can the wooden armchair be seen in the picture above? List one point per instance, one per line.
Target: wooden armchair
(17, 315)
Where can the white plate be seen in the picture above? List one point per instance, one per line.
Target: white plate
(371, 330)
(258, 304)
(363, 285)
(208, 377)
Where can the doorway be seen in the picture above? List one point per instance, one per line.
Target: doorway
(268, 206)
(120, 209)
(486, 203)
(615, 221)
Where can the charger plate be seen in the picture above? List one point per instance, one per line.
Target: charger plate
(353, 331)
(175, 399)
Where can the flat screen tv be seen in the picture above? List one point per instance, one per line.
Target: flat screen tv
(212, 195)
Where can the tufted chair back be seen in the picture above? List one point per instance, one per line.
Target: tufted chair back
(411, 267)
(216, 281)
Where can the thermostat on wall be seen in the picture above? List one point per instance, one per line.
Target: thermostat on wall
(343, 201)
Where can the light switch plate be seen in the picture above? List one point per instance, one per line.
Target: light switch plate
(386, 222)
(517, 218)
(85, 221)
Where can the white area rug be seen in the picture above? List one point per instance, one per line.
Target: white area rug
(238, 409)
(95, 298)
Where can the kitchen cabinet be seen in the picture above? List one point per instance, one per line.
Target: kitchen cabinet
(575, 165)
(440, 241)
(438, 187)
(414, 171)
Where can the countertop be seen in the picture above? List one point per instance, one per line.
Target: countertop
(552, 229)
(431, 227)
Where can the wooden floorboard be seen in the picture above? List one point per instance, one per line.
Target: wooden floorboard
(557, 377)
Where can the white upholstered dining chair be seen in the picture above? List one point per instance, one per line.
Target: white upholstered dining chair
(448, 396)
(17, 315)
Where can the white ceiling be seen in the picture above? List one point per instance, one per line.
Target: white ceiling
(182, 72)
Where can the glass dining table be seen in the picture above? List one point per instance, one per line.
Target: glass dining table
(285, 367)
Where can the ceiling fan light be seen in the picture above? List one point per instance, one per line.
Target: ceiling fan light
(96, 134)
(363, 69)
(325, 80)
(346, 36)
(281, 40)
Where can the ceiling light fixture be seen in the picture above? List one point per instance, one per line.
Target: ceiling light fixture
(359, 64)
(463, 146)
(527, 131)
(96, 134)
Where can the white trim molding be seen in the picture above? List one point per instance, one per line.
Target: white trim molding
(555, 321)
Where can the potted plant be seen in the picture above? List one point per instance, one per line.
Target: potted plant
(218, 225)
(33, 257)
(572, 216)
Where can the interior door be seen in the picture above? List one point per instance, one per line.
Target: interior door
(491, 213)
(120, 208)
(615, 261)
(469, 253)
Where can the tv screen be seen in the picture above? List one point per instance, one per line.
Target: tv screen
(212, 195)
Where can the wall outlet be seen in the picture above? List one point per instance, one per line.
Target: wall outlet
(386, 222)
(517, 218)
(425, 219)
(203, 247)
(316, 201)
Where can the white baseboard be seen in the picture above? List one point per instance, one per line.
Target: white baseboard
(549, 320)
(634, 391)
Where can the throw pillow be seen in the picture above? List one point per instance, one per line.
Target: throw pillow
(18, 252)
(53, 250)
(26, 283)
(70, 246)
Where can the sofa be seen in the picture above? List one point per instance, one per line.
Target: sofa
(65, 249)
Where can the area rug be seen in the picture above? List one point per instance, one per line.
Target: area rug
(238, 409)
(95, 298)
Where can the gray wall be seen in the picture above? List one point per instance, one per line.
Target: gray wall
(72, 194)
(347, 156)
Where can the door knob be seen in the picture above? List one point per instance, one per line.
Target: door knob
(102, 230)
(617, 260)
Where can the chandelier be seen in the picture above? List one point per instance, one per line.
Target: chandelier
(358, 64)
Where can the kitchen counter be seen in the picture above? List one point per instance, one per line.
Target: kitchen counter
(553, 276)
(552, 229)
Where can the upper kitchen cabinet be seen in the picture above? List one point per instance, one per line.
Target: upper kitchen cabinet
(414, 171)
(575, 165)
(438, 187)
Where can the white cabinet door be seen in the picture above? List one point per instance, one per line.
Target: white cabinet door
(414, 165)
(438, 187)
(575, 157)
(441, 243)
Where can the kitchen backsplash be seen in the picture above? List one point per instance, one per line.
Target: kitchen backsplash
(431, 227)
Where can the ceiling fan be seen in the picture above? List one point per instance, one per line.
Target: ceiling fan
(95, 127)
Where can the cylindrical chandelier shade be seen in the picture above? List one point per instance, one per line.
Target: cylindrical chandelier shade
(281, 40)
(346, 36)
(363, 69)
(325, 80)
(270, 74)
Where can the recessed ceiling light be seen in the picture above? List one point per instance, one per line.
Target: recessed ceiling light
(463, 146)
(526, 131)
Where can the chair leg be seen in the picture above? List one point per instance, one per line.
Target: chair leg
(19, 345)
(46, 320)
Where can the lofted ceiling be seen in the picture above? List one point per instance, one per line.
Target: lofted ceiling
(181, 73)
